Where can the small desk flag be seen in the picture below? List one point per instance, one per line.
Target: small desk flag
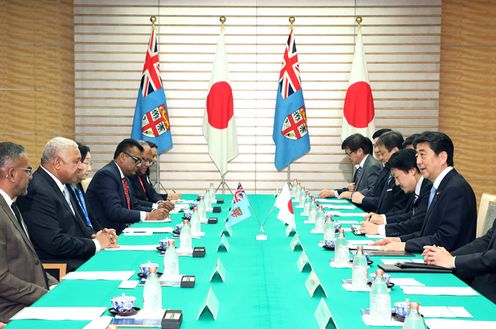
(285, 206)
(240, 207)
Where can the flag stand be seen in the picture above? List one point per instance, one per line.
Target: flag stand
(261, 236)
(224, 185)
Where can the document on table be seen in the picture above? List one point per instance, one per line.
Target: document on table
(319, 200)
(140, 248)
(439, 291)
(393, 261)
(352, 244)
(100, 323)
(338, 206)
(345, 214)
(60, 313)
(406, 282)
(147, 230)
(165, 220)
(444, 312)
(99, 275)
(459, 324)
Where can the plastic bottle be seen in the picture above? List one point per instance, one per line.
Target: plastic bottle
(380, 301)
(202, 210)
(319, 220)
(303, 196)
(341, 251)
(359, 271)
(307, 204)
(207, 200)
(312, 214)
(213, 197)
(185, 236)
(414, 320)
(195, 223)
(171, 261)
(328, 228)
(152, 292)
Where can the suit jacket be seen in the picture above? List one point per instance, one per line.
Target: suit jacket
(370, 173)
(371, 200)
(22, 278)
(476, 263)
(392, 198)
(451, 219)
(106, 198)
(58, 234)
(413, 220)
(96, 225)
(142, 196)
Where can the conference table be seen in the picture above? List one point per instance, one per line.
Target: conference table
(263, 286)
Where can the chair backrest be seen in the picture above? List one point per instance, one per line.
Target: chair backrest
(57, 270)
(486, 214)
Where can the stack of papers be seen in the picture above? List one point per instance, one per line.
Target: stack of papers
(459, 324)
(139, 248)
(60, 313)
(439, 291)
(147, 230)
(99, 275)
(444, 312)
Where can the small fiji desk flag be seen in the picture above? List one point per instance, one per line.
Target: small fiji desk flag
(290, 133)
(151, 119)
(240, 207)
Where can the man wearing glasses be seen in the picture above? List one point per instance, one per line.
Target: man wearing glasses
(110, 194)
(141, 188)
(22, 278)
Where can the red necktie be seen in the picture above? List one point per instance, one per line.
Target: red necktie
(142, 185)
(126, 192)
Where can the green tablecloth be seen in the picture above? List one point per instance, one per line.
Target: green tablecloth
(263, 287)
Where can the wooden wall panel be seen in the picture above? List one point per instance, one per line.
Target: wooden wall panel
(468, 89)
(37, 72)
(401, 40)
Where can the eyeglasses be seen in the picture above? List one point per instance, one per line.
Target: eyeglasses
(350, 153)
(147, 162)
(27, 170)
(136, 159)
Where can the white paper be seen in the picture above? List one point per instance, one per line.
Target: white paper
(345, 214)
(365, 247)
(347, 265)
(351, 287)
(393, 261)
(444, 291)
(139, 233)
(165, 220)
(359, 242)
(140, 248)
(100, 323)
(344, 221)
(393, 323)
(128, 284)
(338, 206)
(319, 200)
(198, 236)
(60, 313)
(147, 230)
(184, 252)
(99, 275)
(459, 324)
(417, 260)
(375, 236)
(406, 282)
(444, 312)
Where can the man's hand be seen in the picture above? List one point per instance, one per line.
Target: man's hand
(167, 205)
(394, 246)
(173, 196)
(377, 219)
(368, 215)
(357, 197)
(327, 194)
(345, 195)
(351, 187)
(103, 237)
(157, 214)
(385, 241)
(438, 256)
(369, 228)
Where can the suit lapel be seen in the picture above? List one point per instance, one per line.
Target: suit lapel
(16, 223)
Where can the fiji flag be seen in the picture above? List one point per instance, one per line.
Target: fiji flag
(290, 120)
(151, 120)
(240, 207)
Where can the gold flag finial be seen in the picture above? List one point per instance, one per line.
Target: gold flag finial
(222, 19)
(359, 20)
(291, 21)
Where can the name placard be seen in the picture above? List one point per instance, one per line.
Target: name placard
(313, 284)
(322, 314)
(227, 230)
(211, 305)
(290, 231)
(295, 243)
(224, 244)
(219, 271)
(303, 263)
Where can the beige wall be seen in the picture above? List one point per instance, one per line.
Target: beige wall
(468, 88)
(36, 72)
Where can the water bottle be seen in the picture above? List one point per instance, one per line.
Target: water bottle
(303, 196)
(319, 220)
(359, 271)
(307, 204)
(202, 210)
(171, 261)
(380, 301)
(328, 228)
(185, 236)
(212, 193)
(414, 320)
(296, 191)
(341, 251)
(207, 200)
(152, 292)
(312, 214)
(195, 223)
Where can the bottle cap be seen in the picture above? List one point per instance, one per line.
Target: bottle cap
(170, 242)
(341, 230)
(359, 248)
(414, 306)
(379, 272)
(152, 269)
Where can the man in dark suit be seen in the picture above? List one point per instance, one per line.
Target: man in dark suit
(475, 263)
(450, 220)
(22, 277)
(359, 150)
(386, 197)
(78, 193)
(110, 195)
(407, 176)
(142, 190)
(57, 231)
(153, 194)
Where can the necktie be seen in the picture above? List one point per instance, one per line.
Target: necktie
(431, 196)
(18, 216)
(82, 204)
(142, 185)
(67, 197)
(389, 179)
(415, 203)
(126, 192)
(358, 174)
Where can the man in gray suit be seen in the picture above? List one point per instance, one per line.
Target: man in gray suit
(359, 150)
(22, 277)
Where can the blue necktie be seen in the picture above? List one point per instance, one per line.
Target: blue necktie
(358, 174)
(431, 196)
(82, 204)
